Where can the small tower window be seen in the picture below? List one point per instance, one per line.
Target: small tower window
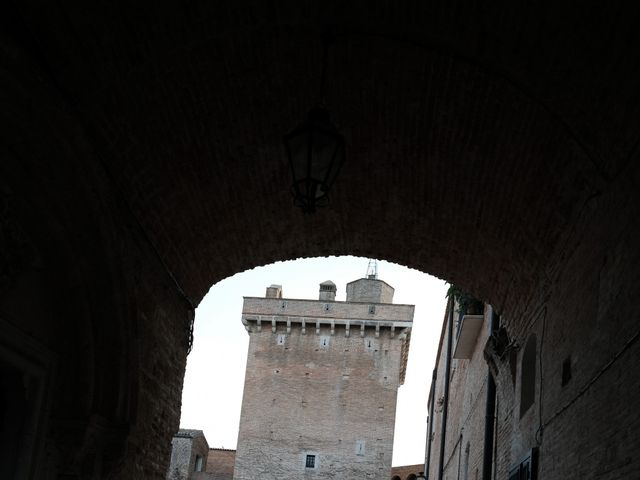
(310, 461)
(198, 465)
(326, 307)
(372, 309)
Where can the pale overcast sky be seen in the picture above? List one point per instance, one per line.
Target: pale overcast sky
(214, 380)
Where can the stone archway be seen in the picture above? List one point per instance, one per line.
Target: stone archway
(141, 149)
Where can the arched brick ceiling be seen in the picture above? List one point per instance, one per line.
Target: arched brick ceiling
(474, 133)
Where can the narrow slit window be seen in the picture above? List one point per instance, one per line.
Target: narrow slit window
(528, 376)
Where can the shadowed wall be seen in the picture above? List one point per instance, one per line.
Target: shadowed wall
(141, 162)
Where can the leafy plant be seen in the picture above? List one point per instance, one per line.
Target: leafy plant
(467, 303)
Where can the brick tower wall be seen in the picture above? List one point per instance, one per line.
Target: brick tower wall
(316, 393)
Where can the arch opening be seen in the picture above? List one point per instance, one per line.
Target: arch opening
(220, 342)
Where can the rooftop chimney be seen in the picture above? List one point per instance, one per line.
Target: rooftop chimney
(328, 291)
(274, 291)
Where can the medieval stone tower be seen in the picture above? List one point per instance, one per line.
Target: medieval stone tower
(321, 383)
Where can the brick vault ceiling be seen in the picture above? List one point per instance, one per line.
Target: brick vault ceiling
(473, 133)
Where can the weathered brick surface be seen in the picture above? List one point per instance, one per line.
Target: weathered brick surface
(464, 435)
(321, 393)
(384, 314)
(220, 463)
(582, 317)
(368, 290)
(85, 287)
(405, 472)
(141, 157)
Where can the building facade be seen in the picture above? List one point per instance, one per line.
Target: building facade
(321, 383)
(220, 464)
(407, 472)
(484, 402)
(460, 451)
(189, 451)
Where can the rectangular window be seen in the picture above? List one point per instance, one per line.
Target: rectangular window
(199, 462)
(311, 461)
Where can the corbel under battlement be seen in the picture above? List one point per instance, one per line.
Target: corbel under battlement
(284, 323)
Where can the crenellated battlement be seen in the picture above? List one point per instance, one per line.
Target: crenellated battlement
(361, 311)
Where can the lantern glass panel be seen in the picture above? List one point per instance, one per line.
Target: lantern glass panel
(298, 146)
(322, 153)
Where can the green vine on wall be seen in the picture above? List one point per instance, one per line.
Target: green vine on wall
(467, 303)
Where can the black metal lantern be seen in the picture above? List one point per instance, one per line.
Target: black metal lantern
(316, 152)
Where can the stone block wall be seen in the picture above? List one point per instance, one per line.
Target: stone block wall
(189, 451)
(180, 466)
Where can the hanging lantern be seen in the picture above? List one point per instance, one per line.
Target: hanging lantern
(315, 150)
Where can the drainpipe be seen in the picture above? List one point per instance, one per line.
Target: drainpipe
(430, 425)
(459, 454)
(487, 463)
(445, 409)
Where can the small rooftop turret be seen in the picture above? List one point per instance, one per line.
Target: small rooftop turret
(369, 290)
(327, 291)
(274, 291)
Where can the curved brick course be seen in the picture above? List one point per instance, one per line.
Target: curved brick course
(141, 162)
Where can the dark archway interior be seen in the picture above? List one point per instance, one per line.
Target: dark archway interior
(141, 161)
